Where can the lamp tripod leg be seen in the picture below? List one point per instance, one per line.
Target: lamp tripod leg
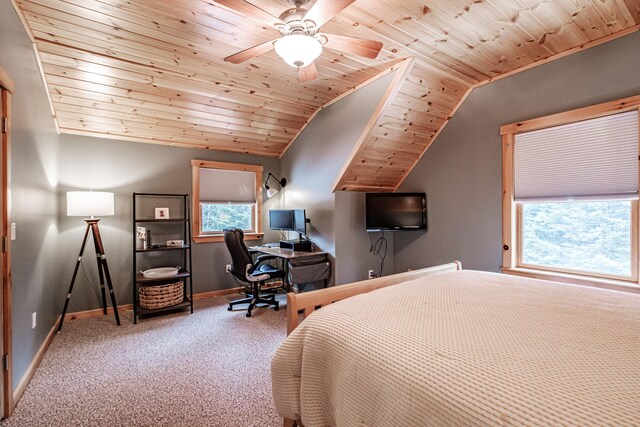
(102, 290)
(103, 266)
(111, 293)
(73, 278)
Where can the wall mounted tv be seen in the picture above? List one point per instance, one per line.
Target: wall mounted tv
(396, 211)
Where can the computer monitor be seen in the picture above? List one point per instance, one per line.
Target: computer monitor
(289, 220)
(280, 219)
(300, 221)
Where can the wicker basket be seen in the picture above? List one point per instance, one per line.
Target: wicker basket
(160, 296)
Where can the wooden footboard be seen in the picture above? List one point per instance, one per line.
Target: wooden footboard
(301, 305)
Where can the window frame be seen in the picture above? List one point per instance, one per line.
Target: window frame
(196, 225)
(512, 211)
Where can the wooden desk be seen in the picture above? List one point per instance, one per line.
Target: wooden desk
(285, 253)
(290, 257)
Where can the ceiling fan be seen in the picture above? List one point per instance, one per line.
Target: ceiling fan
(301, 42)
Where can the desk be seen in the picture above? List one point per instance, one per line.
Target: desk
(285, 253)
(312, 266)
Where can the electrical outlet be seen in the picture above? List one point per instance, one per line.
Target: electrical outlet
(33, 320)
(371, 275)
(228, 268)
(13, 231)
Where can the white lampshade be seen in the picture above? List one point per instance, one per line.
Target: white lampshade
(271, 192)
(298, 50)
(89, 203)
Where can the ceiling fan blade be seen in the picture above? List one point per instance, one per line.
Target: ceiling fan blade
(252, 52)
(247, 9)
(361, 47)
(323, 10)
(308, 73)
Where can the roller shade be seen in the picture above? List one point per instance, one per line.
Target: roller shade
(227, 186)
(587, 160)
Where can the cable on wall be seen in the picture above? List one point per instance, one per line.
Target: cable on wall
(379, 248)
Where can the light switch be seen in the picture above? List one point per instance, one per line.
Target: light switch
(13, 231)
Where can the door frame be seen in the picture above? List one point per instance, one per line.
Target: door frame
(7, 88)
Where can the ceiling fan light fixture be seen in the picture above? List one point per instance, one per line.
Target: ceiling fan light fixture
(298, 50)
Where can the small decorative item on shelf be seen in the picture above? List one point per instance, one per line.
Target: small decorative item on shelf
(160, 272)
(175, 243)
(162, 213)
(141, 238)
(153, 297)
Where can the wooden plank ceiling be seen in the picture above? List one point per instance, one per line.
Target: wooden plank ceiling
(153, 71)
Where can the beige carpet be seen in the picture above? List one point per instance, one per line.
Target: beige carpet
(210, 368)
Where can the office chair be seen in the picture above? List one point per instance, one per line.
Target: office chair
(245, 270)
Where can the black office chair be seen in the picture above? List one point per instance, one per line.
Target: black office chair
(245, 270)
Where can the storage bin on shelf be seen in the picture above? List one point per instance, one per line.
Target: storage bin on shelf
(161, 296)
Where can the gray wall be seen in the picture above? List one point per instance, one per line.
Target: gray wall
(34, 194)
(313, 162)
(352, 241)
(124, 167)
(462, 171)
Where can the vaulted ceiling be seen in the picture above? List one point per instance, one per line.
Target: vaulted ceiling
(153, 71)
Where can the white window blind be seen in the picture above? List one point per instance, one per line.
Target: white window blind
(227, 186)
(587, 160)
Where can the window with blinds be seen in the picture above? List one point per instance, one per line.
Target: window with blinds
(226, 195)
(227, 199)
(574, 189)
(588, 160)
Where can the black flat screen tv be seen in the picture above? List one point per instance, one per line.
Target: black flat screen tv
(396, 211)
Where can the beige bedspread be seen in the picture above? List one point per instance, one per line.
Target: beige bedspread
(465, 348)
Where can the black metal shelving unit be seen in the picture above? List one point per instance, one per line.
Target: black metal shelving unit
(167, 225)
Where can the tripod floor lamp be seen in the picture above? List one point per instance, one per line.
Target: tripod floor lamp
(92, 204)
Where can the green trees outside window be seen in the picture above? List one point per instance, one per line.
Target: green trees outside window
(583, 236)
(218, 216)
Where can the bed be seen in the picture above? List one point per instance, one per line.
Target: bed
(445, 346)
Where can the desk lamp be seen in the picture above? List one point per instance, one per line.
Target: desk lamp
(92, 204)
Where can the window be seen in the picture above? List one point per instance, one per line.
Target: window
(590, 237)
(218, 216)
(226, 195)
(570, 187)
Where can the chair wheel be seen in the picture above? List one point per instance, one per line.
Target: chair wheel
(229, 308)
(248, 314)
(276, 308)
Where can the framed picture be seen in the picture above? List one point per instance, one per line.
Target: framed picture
(141, 238)
(162, 213)
(141, 233)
